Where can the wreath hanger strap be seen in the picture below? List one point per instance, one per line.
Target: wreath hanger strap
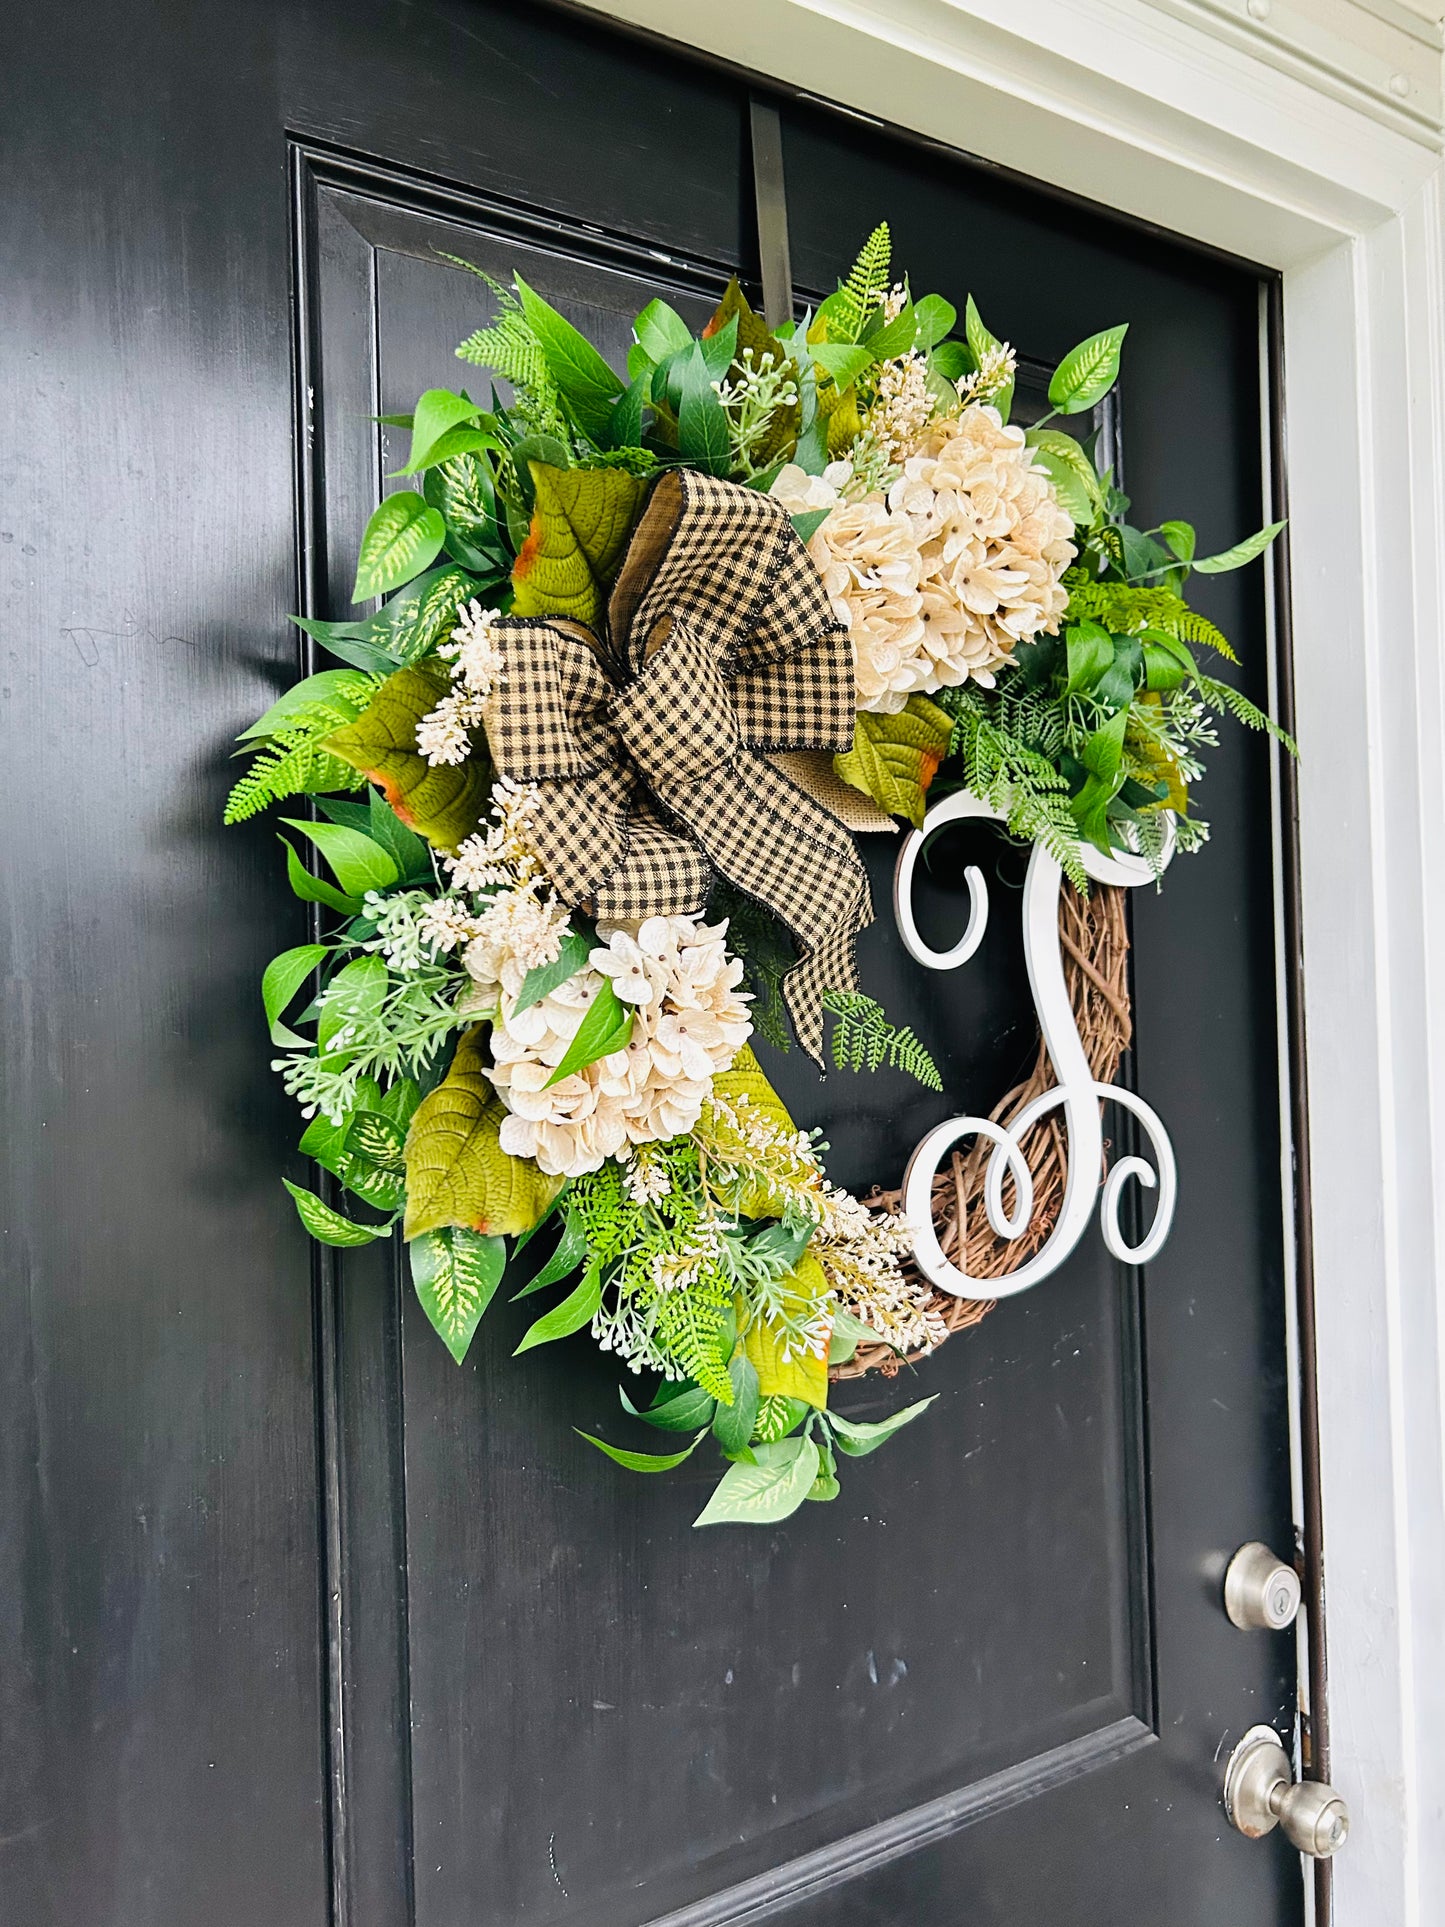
(651, 785)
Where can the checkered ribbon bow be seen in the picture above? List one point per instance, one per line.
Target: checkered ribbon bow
(649, 751)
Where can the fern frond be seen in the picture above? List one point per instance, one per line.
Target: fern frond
(1189, 626)
(510, 349)
(1223, 695)
(291, 761)
(867, 282)
(689, 1328)
(863, 1039)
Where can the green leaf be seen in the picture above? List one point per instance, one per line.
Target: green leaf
(380, 1139)
(825, 1486)
(575, 1311)
(1091, 652)
(732, 1425)
(456, 1170)
(847, 1335)
(660, 331)
(462, 490)
(780, 1372)
(642, 1461)
(345, 640)
(355, 993)
(411, 625)
(312, 889)
(895, 337)
(437, 411)
(401, 538)
(767, 1491)
(571, 1250)
(858, 1439)
(545, 449)
(808, 522)
(688, 1406)
(1103, 750)
(541, 982)
(456, 1274)
(1088, 372)
(1070, 471)
(334, 685)
(895, 758)
(456, 441)
(1181, 538)
(605, 1028)
(719, 349)
(933, 318)
(328, 1226)
(951, 360)
(405, 848)
(357, 863)
(581, 519)
(1241, 553)
(586, 380)
(702, 423)
(843, 362)
(980, 341)
(283, 977)
(1162, 667)
(444, 803)
(624, 424)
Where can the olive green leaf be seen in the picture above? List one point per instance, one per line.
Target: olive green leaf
(456, 1169)
(642, 1461)
(442, 802)
(605, 1028)
(858, 1439)
(770, 1489)
(1088, 372)
(581, 519)
(328, 1226)
(778, 1374)
(1242, 552)
(456, 1274)
(895, 758)
(401, 538)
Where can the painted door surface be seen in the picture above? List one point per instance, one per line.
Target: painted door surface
(303, 1623)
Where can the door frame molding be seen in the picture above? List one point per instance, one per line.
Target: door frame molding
(1181, 119)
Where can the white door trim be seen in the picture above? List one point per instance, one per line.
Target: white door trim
(1170, 112)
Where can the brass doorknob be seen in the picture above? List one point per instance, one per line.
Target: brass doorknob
(1261, 1593)
(1260, 1795)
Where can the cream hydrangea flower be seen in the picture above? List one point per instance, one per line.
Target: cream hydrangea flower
(801, 493)
(869, 559)
(690, 1019)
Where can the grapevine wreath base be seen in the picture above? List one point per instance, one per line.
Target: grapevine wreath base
(1094, 937)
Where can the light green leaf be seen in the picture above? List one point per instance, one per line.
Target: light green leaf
(1088, 372)
(328, 1226)
(332, 685)
(1090, 652)
(858, 1438)
(575, 1311)
(605, 1028)
(401, 538)
(825, 1486)
(437, 411)
(355, 993)
(1241, 553)
(660, 331)
(410, 626)
(456, 1274)
(312, 889)
(283, 977)
(933, 318)
(847, 1335)
(541, 982)
(642, 1461)
(442, 802)
(1181, 538)
(462, 489)
(733, 1424)
(456, 1170)
(895, 758)
(767, 1491)
(980, 341)
(687, 1406)
(895, 337)
(1070, 471)
(702, 424)
(357, 863)
(842, 361)
(581, 519)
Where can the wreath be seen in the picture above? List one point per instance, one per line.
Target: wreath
(650, 652)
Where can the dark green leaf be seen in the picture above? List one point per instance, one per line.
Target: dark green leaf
(551, 1211)
(410, 853)
(1091, 651)
(344, 640)
(702, 422)
(897, 336)
(585, 379)
(952, 360)
(732, 1425)
(541, 982)
(719, 349)
(689, 1406)
(808, 522)
(357, 863)
(571, 1250)
(624, 425)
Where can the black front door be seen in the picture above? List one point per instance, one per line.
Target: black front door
(305, 1624)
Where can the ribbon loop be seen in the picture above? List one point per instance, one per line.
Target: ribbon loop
(646, 753)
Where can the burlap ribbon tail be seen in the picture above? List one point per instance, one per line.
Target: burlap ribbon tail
(649, 748)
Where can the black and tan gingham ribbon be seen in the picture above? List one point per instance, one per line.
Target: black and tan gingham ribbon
(648, 750)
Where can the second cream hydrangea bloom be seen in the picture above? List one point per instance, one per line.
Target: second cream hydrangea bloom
(690, 1019)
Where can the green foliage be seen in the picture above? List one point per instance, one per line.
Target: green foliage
(456, 1274)
(863, 1039)
(404, 535)
(510, 347)
(1008, 742)
(292, 760)
(767, 1490)
(768, 953)
(863, 291)
(329, 1227)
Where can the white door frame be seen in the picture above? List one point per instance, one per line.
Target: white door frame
(1185, 115)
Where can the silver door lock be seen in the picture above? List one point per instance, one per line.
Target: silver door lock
(1260, 1795)
(1261, 1593)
